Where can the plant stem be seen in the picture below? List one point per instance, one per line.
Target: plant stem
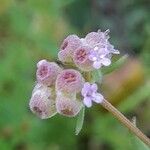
(87, 76)
(117, 114)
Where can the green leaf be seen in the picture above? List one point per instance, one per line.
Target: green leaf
(80, 121)
(114, 65)
(96, 76)
(138, 144)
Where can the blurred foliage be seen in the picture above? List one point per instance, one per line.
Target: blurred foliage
(31, 30)
(127, 20)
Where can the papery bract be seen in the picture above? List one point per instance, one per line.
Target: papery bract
(47, 72)
(42, 102)
(81, 58)
(68, 106)
(69, 80)
(69, 45)
(94, 38)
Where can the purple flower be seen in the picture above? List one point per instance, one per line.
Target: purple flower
(101, 49)
(89, 92)
(100, 57)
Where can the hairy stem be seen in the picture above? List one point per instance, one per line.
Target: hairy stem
(117, 114)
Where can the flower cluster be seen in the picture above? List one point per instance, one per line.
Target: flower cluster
(89, 53)
(66, 91)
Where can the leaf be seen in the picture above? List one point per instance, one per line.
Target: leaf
(96, 76)
(80, 121)
(114, 65)
(138, 144)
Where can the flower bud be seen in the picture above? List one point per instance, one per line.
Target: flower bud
(81, 58)
(67, 48)
(47, 72)
(94, 38)
(69, 80)
(42, 102)
(100, 40)
(67, 106)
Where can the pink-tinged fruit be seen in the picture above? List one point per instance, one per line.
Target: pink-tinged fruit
(69, 81)
(47, 72)
(67, 106)
(69, 45)
(81, 58)
(95, 38)
(42, 102)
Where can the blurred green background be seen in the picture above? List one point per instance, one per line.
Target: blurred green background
(31, 30)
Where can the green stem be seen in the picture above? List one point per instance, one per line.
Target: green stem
(117, 114)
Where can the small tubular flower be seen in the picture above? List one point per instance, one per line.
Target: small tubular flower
(100, 57)
(47, 72)
(69, 81)
(81, 58)
(68, 106)
(42, 102)
(89, 92)
(69, 45)
(96, 38)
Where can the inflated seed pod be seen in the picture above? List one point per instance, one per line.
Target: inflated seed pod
(68, 106)
(47, 72)
(81, 58)
(69, 45)
(42, 102)
(69, 81)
